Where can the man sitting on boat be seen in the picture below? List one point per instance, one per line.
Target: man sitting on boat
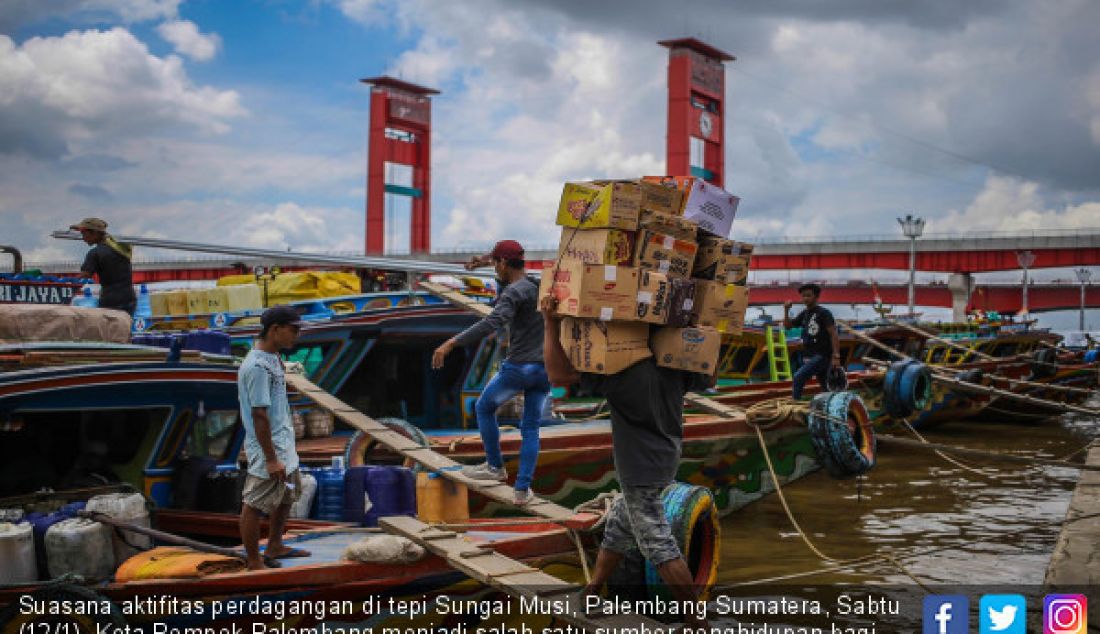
(110, 260)
(647, 424)
(521, 370)
(820, 343)
(273, 483)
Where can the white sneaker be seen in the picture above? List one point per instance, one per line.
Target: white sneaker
(523, 497)
(486, 471)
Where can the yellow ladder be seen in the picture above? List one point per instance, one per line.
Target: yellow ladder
(779, 362)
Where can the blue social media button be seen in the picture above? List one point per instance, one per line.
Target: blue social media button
(946, 614)
(1002, 614)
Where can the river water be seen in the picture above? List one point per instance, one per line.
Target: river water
(949, 526)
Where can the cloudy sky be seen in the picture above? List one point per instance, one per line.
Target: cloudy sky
(243, 122)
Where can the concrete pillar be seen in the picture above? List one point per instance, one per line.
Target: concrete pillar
(961, 285)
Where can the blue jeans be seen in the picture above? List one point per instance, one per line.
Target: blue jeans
(531, 379)
(813, 365)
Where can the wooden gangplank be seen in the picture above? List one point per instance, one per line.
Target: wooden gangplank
(432, 461)
(515, 578)
(456, 298)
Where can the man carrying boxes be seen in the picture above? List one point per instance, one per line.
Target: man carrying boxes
(598, 311)
(521, 371)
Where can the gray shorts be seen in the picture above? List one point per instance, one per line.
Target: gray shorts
(266, 495)
(637, 522)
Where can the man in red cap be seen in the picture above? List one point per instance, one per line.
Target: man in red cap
(521, 370)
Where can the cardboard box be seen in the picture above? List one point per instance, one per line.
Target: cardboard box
(665, 254)
(675, 226)
(597, 246)
(691, 349)
(736, 270)
(654, 298)
(681, 308)
(663, 198)
(722, 260)
(710, 207)
(595, 206)
(721, 306)
(593, 291)
(602, 347)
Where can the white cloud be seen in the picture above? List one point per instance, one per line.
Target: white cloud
(16, 13)
(1008, 204)
(184, 35)
(89, 86)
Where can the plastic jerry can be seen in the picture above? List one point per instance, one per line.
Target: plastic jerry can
(82, 547)
(17, 553)
(441, 500)
(129, 508)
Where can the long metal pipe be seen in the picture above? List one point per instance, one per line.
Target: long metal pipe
(17, 266)
(380, 263)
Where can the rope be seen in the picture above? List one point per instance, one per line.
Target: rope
(943, 455)
(773, 412)
(582, 555)
(809, 543)
(899, 557)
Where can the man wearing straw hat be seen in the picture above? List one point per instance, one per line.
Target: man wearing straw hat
(108, 259)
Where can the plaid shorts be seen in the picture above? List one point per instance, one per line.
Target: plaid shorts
(265, 494)
(637, 522)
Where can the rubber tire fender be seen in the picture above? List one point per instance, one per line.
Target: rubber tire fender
(846, 450)
(361, 444)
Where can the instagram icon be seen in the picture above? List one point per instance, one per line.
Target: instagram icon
(1065, 614)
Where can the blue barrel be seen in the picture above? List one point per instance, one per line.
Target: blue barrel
(330, 494)
(374, 492)
(1091, 356)
(41, 522)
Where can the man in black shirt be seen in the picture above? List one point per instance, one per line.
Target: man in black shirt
(820, 344)
(647, 423)
(110, 260)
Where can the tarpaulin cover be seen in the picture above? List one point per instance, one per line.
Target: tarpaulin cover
(21, 323)
(303, 285)
(174, 562)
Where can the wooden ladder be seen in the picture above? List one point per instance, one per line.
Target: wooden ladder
(779, 361)
(559, 598)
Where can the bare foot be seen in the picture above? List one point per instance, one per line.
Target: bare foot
(283, 552)
(257, 564)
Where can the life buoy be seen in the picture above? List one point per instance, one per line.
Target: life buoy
(842, 434)
(360, 444)
(1044, 363)
(693, 517)
(907, 388)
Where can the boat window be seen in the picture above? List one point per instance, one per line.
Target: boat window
(77, 448)
(937, 355)
(395, 379)
(741, 361)
(212, 435)
(484, 363)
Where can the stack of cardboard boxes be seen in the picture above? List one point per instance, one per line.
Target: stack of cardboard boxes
(649, 252)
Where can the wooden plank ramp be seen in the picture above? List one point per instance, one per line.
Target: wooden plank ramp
(432, 461)
(515, 578)
(456, 298)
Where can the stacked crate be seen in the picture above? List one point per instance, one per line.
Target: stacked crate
(645, 269)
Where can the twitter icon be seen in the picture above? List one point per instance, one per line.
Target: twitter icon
(1002, 614)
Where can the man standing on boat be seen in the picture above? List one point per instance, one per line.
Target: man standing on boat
(110, 260)
(647, 424)
(273, 483)
(521, 370)
(820, 343)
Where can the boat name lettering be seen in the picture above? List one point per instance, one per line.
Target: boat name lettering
(36, 294)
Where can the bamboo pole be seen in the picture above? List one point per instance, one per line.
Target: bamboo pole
(169, 538)
(933, 337)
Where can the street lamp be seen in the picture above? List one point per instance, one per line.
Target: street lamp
(1025, 259)
(912, 228)
(1083, 276)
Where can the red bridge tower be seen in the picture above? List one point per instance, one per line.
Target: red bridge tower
(399, 162)
(696, 110)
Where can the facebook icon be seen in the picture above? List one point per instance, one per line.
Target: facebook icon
(946, 614)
